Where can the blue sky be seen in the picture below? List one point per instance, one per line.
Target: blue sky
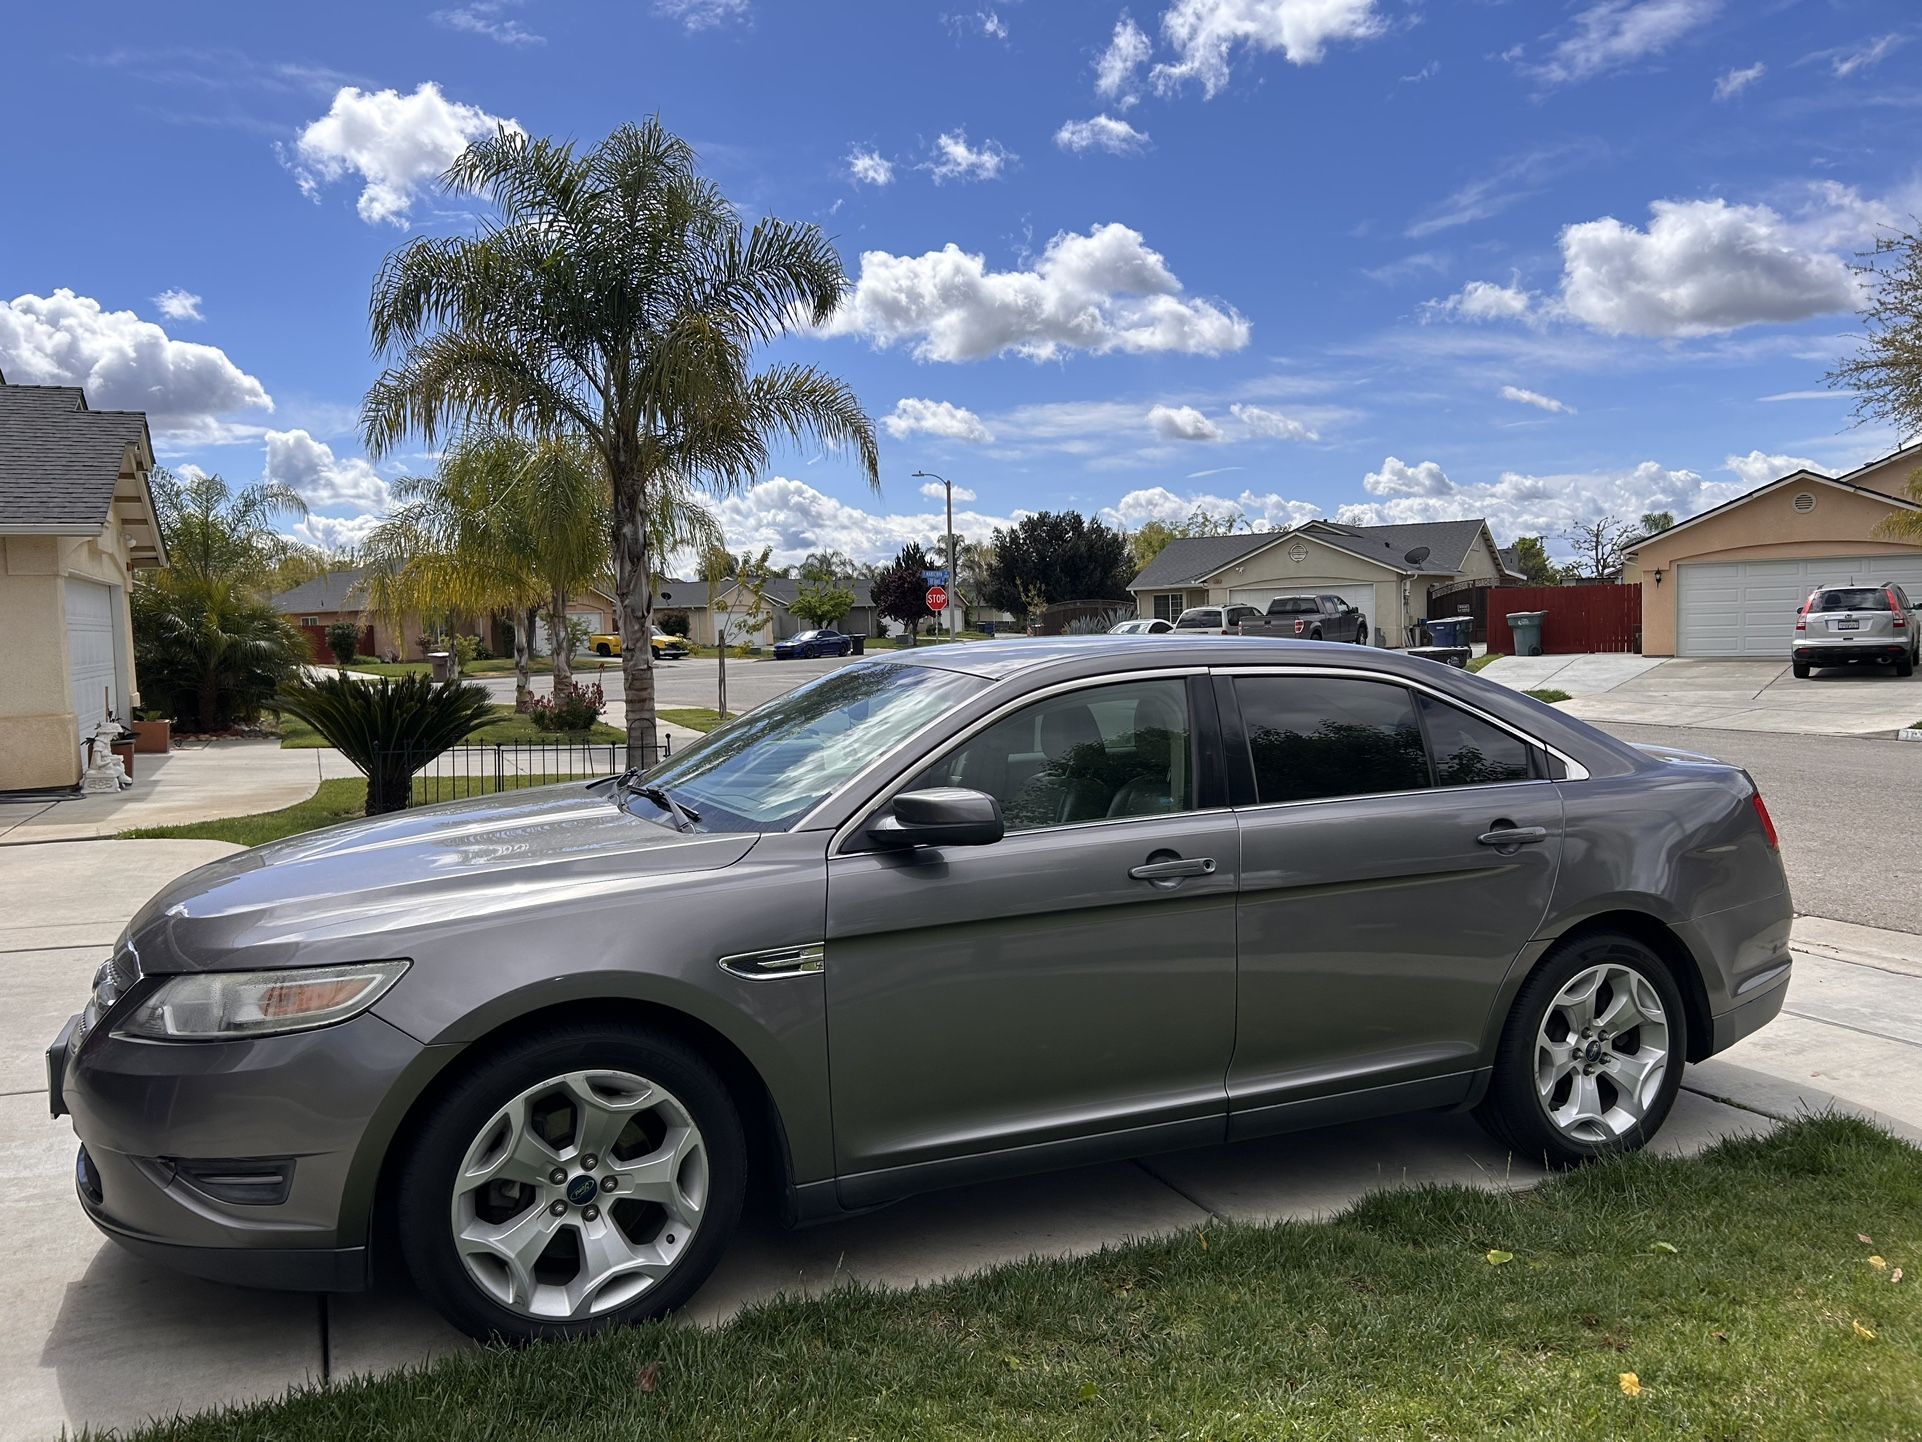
(1373, 259)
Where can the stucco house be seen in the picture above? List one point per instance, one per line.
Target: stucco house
(1388, 572)
(341, 595)
(1728, 582)
(76, 521)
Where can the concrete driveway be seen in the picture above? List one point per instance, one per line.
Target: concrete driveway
(1723, 695)
(101, 1339)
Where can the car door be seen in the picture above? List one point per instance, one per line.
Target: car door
(1398, 850)
(1064, 993)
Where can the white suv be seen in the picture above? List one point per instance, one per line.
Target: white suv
(1841, 624)
(1214, 620)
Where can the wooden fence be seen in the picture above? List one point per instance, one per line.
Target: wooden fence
(1581, 619)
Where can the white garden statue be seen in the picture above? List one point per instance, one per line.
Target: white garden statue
(106, 774)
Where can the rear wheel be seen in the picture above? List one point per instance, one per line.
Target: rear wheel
(603, 649)
(1591, 1057)
(579, 1179)
(1801, 670)
(1906, 666)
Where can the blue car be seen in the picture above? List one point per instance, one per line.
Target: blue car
(824, 642)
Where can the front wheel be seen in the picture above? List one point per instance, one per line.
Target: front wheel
(582, 1178)
(1361, 631)
(1591, 1057)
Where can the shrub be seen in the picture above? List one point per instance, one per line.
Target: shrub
(467, 650)
(573, 708)
(675, 623)
(211, 660)
(389, 728)
(342, 639)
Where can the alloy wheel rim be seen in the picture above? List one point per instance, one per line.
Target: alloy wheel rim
(579, 1195)
(1601, 1053)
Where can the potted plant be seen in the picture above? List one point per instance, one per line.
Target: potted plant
(153, 735)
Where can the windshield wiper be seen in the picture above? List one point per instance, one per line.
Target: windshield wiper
(686, 818)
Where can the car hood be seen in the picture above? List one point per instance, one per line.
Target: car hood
(281, 904)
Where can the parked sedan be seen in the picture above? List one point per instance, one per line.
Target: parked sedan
(825, 642)
(1839, 625)
(1149, 626)
(1053, 900)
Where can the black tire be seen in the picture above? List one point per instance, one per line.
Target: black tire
(1512, 1111)
(1315, 635)
(1906, 666)
(1800, 669)
(1361, 630)
(456, 1118)
(603, 649)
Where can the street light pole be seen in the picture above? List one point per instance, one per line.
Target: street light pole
(954, 611)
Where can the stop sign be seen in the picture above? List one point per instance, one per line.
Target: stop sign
(937, 598)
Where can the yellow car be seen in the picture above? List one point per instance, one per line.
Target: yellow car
(666, 647)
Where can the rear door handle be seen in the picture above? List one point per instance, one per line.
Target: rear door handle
(1173, 870)
(1506, 836)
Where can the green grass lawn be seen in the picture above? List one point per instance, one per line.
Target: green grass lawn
(493, 666)
(692, 718)
(1487, 658)
(1547, 693)
(507, 725)
(1723, 1297)
(341, 799)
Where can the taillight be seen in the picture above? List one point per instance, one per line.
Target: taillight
(1802, 616)
(1768, 823)
(1901, 621)
(1299, 624)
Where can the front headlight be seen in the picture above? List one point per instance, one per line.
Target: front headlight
(216, 1005)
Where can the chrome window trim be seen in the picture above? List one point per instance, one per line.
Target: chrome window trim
(1113, 678)
(1576, 771)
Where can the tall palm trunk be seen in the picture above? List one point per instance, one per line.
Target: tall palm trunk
(521, 623)
(634, 594)
(557, 638)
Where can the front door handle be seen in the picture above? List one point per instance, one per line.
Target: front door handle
(1509, 837)
(1173, 870)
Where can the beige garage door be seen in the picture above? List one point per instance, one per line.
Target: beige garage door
(1747, 608)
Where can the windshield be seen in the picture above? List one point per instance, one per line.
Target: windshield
(1198, 620)
(1855, 598)
(767, 770)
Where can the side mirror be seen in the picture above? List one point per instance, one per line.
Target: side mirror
(940, 816)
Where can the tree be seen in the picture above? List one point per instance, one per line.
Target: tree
(1153, 537)
(207, 645)
(343, 640)
(901, 591)
(1062, 555)
(615, 294)
(389, 728)
(1885, 373)
(1598, 547)
(1655, 522)
(1532, 556)
(821, 603)
(737, 596)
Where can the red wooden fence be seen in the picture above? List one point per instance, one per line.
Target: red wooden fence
(317, 639)
(1580, 618)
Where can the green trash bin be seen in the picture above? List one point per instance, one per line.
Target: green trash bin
(1527, 626)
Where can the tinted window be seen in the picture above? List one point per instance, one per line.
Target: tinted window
(1311, 736)
(1468, 751)
(1291, 606)
(1198, 620)
(1108, 751)
(1854, 598)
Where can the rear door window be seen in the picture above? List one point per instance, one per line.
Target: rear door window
(1314, 737)
(1468, 751)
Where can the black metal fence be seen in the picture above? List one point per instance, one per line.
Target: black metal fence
(476, 768)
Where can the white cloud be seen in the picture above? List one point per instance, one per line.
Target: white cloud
(124, 363)
(913, 416)
(1262, 512)
(1204, 34)
(985, 23)
(1481, 300)
(178, 305)
(1522, 396)
(1100, 292)
(1127, 52)
(1182, 423)
(1731, 83)
(397, 144)
(1265, 424)
(935, 491)
(1397, 478)
(295, 459)
(488, 18)
(867, 166)
(1872, 53)
(1615, 33)
(1102, 132)
(333, 533)
(1758, 468)
(795, 519)
(702, 14)
(1701, 266)
(954, 158)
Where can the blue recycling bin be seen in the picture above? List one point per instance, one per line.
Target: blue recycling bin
(1450, 630)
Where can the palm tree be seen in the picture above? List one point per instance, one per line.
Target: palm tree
(617, 296)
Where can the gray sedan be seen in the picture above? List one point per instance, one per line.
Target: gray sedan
(1051, 901)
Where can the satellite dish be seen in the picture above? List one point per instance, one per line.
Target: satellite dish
(1416, 556)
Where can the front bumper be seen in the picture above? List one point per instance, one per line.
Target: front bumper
(167, 1129)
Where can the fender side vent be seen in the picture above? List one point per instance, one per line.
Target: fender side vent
(781, 961)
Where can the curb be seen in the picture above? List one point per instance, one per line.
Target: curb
(1909, 733)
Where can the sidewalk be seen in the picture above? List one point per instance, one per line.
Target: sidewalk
(102, 1339)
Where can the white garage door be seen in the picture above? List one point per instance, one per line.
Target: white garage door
(1358, 594)
(1747, 608)
(90, 660)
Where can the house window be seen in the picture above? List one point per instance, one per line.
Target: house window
(310, 620)
(1169, 605)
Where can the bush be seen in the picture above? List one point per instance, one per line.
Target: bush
(210, 659)
(676, 623)
(467, 650)
(342, 639)
(389, 728)
(572, 708)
